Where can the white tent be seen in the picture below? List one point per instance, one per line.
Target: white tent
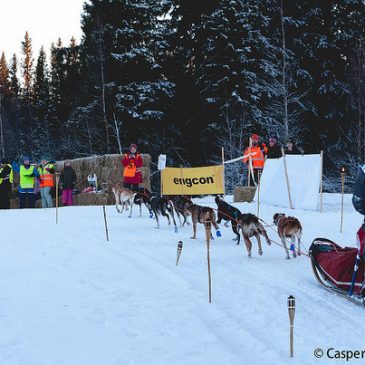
(304, 179)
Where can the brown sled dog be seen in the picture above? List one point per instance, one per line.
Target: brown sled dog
(201, 214)
(123, 197)
(250, 227)
(288, 227)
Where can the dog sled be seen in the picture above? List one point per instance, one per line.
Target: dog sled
(340, 269)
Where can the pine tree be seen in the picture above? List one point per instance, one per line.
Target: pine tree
(41, 105)
(27, 64)
(13, 71)
(4, 76)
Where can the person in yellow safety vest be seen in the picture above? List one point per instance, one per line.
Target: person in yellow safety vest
(27, 174)
(6, 182)
(46, 171)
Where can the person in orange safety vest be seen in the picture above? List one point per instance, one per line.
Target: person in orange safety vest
(257, 154)
(46, 171)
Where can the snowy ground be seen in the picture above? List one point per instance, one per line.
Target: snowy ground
(69, 298)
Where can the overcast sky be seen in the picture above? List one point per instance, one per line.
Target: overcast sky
(45, 20)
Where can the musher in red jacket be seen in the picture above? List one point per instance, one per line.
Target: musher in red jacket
(132, 163)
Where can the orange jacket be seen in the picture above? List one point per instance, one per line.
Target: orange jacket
(258, 156)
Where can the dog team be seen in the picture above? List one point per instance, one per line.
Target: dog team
(129, 194)
(182, 207)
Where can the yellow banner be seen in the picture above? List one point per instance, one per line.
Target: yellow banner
(193, 181)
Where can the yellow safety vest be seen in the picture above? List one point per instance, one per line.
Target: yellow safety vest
(26, 181)
(10, 175)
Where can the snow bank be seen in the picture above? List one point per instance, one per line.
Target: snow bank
(70, 298)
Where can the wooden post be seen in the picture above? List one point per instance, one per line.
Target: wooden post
(287, 179)
(321, 185)
(161, 173)
(223, 170)
(208, 228)
(291, 310)
(179, 250)
(105, 190)
(249, 166)
(343, 175)
(58, 174)
(258, 193)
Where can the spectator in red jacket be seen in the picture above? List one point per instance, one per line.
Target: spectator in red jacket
(132, 163)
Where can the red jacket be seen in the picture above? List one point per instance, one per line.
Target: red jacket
(132, 168)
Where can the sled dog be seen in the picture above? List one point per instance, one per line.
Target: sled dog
(124, 197)
(162, 206)
(201, 214)
(288, 227)
(250, 227)
(229, 214)
(181, 205)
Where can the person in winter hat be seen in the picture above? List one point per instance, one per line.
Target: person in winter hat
(255, 153)
(28, 174)
(132, 163)
(46, 171)
(67, 183)
(6, 182)
(290, 148)
(273, 149)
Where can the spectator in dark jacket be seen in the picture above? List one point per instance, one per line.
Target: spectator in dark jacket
(291, 149)
(67, 182)
(6, 180)
(273, 149)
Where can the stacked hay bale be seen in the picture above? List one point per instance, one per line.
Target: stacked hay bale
(108, 168)
(244, 194)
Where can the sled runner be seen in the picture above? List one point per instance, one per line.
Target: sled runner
(338, 269)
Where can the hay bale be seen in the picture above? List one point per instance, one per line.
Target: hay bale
(244, 194)
(93, 199)
(108, 168)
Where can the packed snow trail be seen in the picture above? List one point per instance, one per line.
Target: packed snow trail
(69, 297)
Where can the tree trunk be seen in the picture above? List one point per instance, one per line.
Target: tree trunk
(284, 76)
(2, 143)
(102, 84)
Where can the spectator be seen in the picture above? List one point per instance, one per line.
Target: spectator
(290, 148)
(67, 183)
(6, 182)
(46, 171)
(132, 162)
(28, 173)
(257, 154)
(273, 150)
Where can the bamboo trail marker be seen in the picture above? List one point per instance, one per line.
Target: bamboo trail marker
(258, 193)
(249, 166)
(179, 250)
(287, 179)
(105, 190)
(58, 174)
(208, 229)
(343, 176)
(224, 172)
(291, 310)
(321, 185)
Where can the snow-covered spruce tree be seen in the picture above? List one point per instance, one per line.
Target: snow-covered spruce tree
(26, 126)
(40, 101)
(328, 38)
(143, 93)
(225, 58)
(95, 59)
